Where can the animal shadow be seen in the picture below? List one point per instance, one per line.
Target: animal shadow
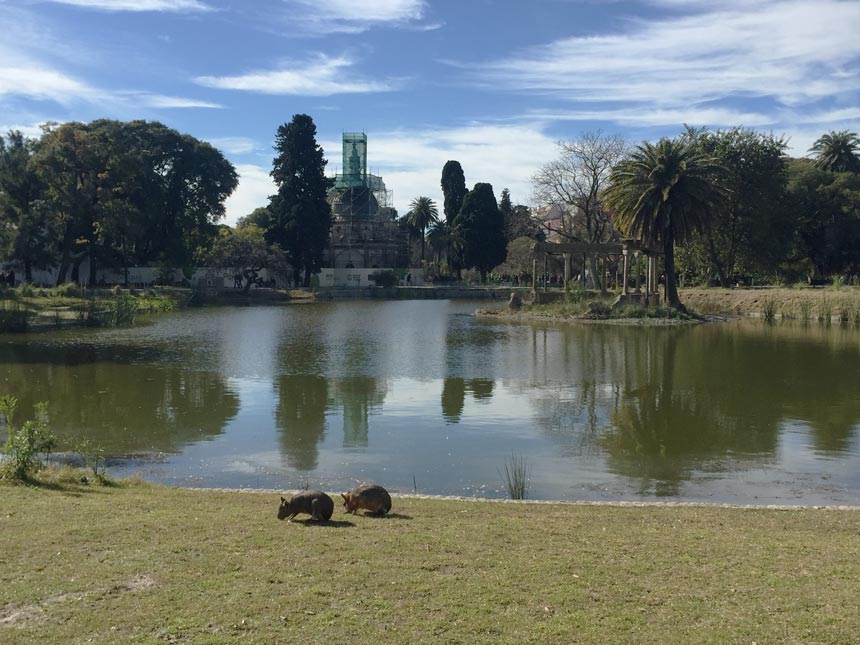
(331, 524)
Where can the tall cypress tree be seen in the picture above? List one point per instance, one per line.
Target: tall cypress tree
(301, 216)
(482, 227)
(453, 188)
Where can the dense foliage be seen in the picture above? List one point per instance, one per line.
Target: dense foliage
(481, 225)
(118, 193)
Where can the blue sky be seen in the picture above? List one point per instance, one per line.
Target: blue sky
(492, 83)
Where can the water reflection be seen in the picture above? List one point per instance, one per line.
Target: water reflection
(396, 390)
(92, 393)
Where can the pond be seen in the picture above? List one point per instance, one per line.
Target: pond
(422, 396)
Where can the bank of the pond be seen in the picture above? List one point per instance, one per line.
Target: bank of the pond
(704, 305)
(805, 303)
(29, 308)
(143, 563)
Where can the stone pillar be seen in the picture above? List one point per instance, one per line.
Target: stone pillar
(534, 274)
(566, 259)
(545, 271)
(638, 270)
(624, 273)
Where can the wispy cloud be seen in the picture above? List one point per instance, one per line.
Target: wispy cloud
(234, 145)
(354, 16)
(35, 81)
(172, 6)
(321, 76)
(783, 53)
(170, 102)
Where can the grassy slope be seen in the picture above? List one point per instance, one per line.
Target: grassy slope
(147, 564)
(787, 301)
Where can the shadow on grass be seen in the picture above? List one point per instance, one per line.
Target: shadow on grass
(386, 516)
(332, 524)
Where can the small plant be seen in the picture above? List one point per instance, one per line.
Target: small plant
(25, 444)
(769, 310)
(838, 282)
(94, 459)
(516, 476)
(26, 290)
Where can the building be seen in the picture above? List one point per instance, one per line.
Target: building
(364, 233)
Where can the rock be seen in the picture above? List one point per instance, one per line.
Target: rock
(515, 302)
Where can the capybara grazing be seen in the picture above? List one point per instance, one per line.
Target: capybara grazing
(313, 502)
(371, 497)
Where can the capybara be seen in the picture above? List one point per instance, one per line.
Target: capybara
(313, 502)
(371, 497)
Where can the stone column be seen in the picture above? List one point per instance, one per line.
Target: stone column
(566, 259)
(534, 274)
(638, 270)
(624, 273)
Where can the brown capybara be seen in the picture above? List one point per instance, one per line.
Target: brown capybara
(313, 502)
(371, 497)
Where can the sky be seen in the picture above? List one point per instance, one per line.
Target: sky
(494, 84)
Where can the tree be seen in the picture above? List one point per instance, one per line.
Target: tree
(482, 228)
(837, 151)
(661, 194)
(261, 217)
(422, 213)
(301, 215)
(244, 250)
(750, 230)
(575, 181)
(824, 208)
(453, 188)
(27, 228)
(134, 190)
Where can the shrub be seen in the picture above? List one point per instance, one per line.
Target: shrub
(25, 444)
(67, 290)
(769, 309)
(384, 278)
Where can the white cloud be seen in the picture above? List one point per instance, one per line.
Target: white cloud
(353, 16)
(322, 76)
(234, 145)
(788, 53)
(255, 187)
(161, 101)
(173, 6)
(42, 83)
(645, 116)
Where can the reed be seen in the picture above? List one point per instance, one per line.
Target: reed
(516, 476)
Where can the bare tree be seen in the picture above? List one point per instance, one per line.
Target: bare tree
(574, 181)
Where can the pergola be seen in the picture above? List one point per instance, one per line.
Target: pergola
(630, 250)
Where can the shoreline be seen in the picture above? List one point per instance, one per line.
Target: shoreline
(547, 502)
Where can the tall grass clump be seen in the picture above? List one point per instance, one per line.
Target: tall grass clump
(769, 310)
(844, 312)
(66, 290)
(98, 312)
(516, 476)
(825, 311)
(26, 443)
(805, 307)
(26, 290)
(838, 282)
(14, 317)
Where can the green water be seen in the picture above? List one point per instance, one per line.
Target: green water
(422, 395)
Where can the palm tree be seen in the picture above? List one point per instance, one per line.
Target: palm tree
(439, 237)
(837, 151)
(660, 194)
(422, 213)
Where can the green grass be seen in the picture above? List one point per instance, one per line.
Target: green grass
(145, 564)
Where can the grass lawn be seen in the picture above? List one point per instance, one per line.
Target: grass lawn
(146, 564)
